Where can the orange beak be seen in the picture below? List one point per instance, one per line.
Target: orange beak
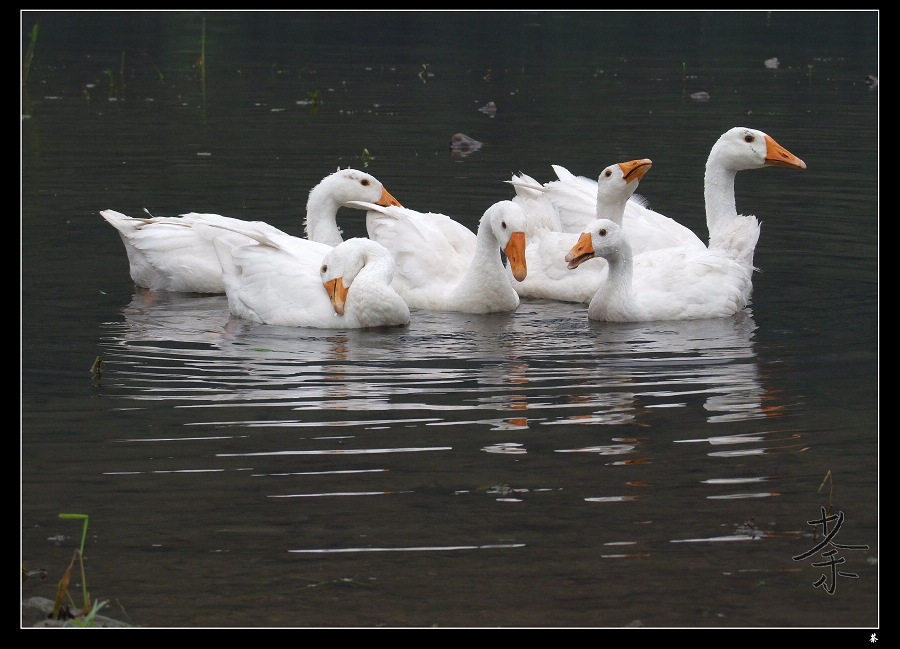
(780, 157)
(386, 199)
(581, 251)
(337, 294)
(515, 252)
(635, 169)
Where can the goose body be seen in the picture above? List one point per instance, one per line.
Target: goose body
(444, 266)
(675, 283)
(169, 253)
(287, 281)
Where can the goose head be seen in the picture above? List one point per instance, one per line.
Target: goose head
(342, 264)
(508, 223)
(334, 285)
(617, 183)
(743, 148)
(338, 190)
(347, 185)
(601, 238)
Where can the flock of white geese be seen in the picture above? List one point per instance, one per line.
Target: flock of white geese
(572, 239)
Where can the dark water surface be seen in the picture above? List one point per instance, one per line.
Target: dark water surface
(523, 469)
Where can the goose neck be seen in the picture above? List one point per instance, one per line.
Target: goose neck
(718, 194)
(321, 217)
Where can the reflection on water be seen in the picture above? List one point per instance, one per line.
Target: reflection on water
(545, 364)
(371, 395)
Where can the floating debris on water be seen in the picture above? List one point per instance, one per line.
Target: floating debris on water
(489, 108)
(462, 144)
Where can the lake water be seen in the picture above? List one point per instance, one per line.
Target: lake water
(527, 469)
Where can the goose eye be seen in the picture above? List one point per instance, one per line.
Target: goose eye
(324, 269)
(608, 173)
(364, 182)
(749, 138)
(503, 224)
(602, 232)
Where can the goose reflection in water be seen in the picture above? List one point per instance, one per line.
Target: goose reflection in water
(541, 365)
(450, 395)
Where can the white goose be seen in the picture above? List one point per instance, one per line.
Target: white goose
(676, 283)
(548, 276)
(575, 199)
(287, 281)
(443, 266)
(168, 253)
(737, 149)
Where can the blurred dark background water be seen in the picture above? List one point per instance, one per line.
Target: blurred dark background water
(524, 469)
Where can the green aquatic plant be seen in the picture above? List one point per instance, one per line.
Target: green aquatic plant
(29, 53)
(202, 62)
(97, 368)
(88, 620)
(97, 371)
(122, 72)
(62, 590)
(830, 480)
(116, 89)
